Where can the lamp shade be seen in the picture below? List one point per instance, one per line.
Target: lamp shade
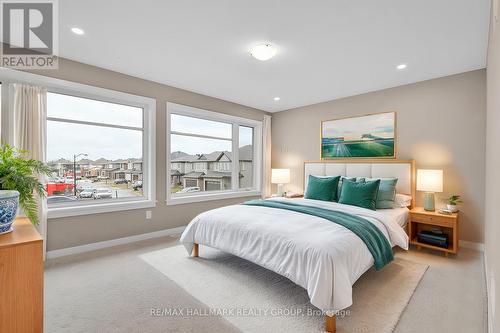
(430, 180)
(280, 176)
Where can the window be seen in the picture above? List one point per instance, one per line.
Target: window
(245, 156)
(211, 155)
(115, 130)
(100, 148)
(92, 146)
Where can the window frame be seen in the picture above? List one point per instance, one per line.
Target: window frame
(235, 192)
(148, 200)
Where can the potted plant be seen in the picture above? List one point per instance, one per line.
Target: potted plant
(452, 203)
(18, 185)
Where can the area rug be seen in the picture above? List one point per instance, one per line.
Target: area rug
(255, 299)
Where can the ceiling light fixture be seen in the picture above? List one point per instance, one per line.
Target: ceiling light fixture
(276, 98)
(263, 52)
(77, 31)
(402, 66)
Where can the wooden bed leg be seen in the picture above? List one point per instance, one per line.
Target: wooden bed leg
(330, 324)
(195, 250)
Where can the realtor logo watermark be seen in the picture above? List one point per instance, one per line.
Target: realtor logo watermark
(29, 32)
(244, 312)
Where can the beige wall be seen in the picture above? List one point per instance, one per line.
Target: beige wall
(78, 230)
(440, 124)
(424, 110)
(492, 227)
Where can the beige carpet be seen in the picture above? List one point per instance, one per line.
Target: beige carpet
(254, 299)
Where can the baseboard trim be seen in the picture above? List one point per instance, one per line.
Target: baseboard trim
(167, 232)
(472, 245)
(112, 242)
(489, 305)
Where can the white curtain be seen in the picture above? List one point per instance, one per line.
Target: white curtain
(266, 165)
(28, 106)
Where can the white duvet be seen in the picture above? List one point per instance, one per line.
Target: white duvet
(321, 256)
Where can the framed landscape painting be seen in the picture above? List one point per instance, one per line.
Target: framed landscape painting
(371, 136)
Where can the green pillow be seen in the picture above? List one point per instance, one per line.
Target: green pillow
(341, 181)
(386, 192)
(322, 188)
(360, 194)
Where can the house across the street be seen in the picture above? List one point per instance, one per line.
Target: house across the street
(129, 169)
(211, 172)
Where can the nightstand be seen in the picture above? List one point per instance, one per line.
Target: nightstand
(421, 219)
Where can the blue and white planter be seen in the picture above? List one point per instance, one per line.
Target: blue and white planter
(9, 201)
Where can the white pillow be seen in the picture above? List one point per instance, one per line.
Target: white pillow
(402, 200)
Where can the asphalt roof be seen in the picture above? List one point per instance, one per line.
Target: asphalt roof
(245, 154)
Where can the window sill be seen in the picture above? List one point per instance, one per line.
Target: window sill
(210, 197)
(88, 209)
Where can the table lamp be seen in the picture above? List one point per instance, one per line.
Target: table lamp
(429, 181)
(280, 177)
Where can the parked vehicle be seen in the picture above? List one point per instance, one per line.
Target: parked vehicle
(60, 180)
(87, 193)
(137, 185)
(60, 199)
(120, 181)
(103, 193)
(190, 189)
(69, 180)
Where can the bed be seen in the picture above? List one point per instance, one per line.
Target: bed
(323, 257)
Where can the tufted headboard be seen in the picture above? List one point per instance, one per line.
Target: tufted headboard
(404, 170)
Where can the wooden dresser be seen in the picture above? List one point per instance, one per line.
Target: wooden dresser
(21, 279)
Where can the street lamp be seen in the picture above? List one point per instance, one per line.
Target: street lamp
(74, 170)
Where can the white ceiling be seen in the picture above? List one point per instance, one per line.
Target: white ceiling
(326, 49)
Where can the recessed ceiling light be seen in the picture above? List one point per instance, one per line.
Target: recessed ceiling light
(402, 66)
(276, 98)
(77, 31)
(263, 52)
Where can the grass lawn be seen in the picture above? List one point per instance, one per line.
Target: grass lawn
(122, 186)
(360, 149)
(175, 188)
(370, 149)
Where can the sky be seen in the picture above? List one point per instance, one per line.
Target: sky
(353, 128)
(84, 109)
(66, 139)
(195, 145)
